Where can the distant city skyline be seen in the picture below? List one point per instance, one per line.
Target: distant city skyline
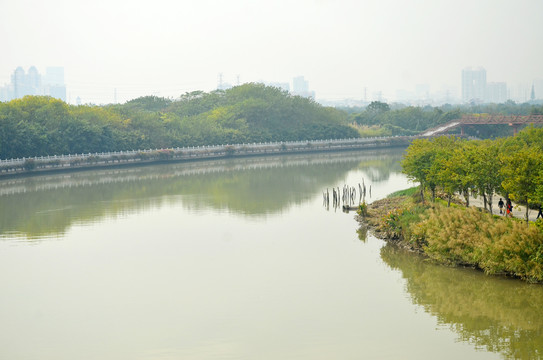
(345, 49)
(32, 82)
(474, 88)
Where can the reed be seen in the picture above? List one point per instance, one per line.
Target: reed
(463, 236)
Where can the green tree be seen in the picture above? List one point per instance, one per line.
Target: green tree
(522, 175)
(461, 165)
(441, 166)
(376, 107)
(417, 164)
(486, 170)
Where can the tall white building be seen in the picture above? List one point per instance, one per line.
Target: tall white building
(31, 83)
(473, 85)
(280, 85)
(54, 82)
(300, 86)
(496, 92)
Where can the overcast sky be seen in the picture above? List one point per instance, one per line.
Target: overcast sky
(167, 47)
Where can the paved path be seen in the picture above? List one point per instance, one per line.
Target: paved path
(519, 211)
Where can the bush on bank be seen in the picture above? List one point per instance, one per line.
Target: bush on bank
(468, 237)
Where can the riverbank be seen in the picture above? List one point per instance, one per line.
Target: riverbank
(375, 221)
(459, 236)
(48, 164)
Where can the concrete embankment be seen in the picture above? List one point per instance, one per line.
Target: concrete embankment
(55, 163)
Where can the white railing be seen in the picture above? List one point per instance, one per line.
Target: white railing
(191, 152)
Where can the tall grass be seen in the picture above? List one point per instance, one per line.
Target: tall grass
(399, 223)
(406, 192)
(458, 235)
(372, 131)
(473, 237)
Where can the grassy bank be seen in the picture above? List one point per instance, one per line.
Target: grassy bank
(458, 235)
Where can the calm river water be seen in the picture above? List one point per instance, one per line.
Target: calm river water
(237, 259)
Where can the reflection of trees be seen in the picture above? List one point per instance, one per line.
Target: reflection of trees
(48, 205)
(500, 315)
(379, 169)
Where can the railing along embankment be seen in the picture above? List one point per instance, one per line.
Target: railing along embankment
(92, 160)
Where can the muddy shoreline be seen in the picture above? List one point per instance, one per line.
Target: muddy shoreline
(373, 221)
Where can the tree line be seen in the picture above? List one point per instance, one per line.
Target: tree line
(380, 118)
(41, 126)
(511, 166)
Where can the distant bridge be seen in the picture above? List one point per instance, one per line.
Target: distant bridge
(485, 119)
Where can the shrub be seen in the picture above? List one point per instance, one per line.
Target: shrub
(29, 164)
(473, 237)
(165, 154)
(406, 192)
(92, 159)
(230, 150)
(75, 161)
(399, 223)
(144, 155)
(363, 209)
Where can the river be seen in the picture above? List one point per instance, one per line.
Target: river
(237, 259)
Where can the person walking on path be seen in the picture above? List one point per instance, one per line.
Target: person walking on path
(540, 213)
(509, 208)
(500, 205)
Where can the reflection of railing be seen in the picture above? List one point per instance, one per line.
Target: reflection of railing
(12, 186)
(74, 161)
(43, 206)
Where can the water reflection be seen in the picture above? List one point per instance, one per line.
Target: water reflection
(496, 314)
(41, 206)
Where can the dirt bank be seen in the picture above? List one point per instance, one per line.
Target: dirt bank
(374, 221)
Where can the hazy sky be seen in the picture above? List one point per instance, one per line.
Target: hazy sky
(166, 47)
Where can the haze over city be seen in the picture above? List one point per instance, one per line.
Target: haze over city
(120, 50)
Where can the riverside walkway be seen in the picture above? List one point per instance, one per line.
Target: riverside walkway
(135, 157)
(519, 211)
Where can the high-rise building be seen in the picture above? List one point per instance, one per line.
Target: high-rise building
(18, 82)
(300, 86)
(473, 84)
(54, 75)
(54, 82)
(496, 92)
(280, 85)
(31, 83)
